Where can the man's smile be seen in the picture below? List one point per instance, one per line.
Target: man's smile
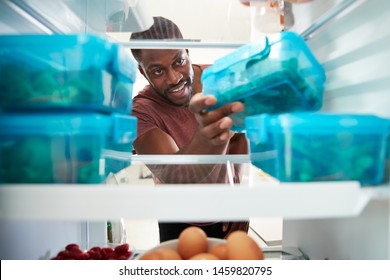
(178, 91)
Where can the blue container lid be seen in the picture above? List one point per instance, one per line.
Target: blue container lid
(261, 49)
(298, 44)
(67, 52)
(259, 126)
(121, 128)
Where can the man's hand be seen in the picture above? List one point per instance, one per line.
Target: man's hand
(215, 125)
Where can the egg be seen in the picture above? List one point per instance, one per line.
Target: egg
(192, 241)
(204, 256)
(152, 255)
(240, 246)
(169, 254)
(220, 251)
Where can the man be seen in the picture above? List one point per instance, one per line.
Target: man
(172, 119)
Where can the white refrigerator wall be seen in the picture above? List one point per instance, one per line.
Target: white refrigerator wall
(355, 51)
(33, 240)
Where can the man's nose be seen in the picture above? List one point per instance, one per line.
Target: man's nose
(174, 77)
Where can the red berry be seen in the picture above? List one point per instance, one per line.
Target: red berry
(63, 255)
(71, 246)
(75, 252)
(122, 249)
(95, 255)
(83, 256)
(107, 253)
(95, 249)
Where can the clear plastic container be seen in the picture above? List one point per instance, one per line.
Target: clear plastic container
(275, 74)
(61, 148)
(65, 71)
(320, 146)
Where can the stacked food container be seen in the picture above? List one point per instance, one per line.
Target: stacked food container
(64, 101)
(281, 85)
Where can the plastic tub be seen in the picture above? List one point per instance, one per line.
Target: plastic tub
(319, 146)
(277, 74)
(65, 71)
(60, 148)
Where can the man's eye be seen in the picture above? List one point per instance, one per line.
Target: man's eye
(180, 61)
(157, 72)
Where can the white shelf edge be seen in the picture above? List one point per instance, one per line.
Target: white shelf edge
(180, 44)
(190, 159)
(183, 202)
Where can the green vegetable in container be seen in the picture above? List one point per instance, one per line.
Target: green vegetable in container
(27, 161)
(22, 85)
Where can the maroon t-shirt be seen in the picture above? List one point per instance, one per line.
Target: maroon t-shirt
(154, 111)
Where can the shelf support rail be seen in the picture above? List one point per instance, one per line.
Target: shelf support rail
(330, 15)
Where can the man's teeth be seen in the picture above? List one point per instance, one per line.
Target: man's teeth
(179, 88)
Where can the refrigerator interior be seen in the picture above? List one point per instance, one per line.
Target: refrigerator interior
(353, 49)
(349, 38)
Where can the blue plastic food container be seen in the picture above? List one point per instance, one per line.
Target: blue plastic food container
(77, 71)
(276, 74)
(61, 148)
(387, 162)
(319, 146)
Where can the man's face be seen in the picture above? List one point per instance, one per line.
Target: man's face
(170, 74)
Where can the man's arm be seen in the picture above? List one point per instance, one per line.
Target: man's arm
(212, 137)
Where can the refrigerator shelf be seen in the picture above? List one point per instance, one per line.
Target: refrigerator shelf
(185, 203)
